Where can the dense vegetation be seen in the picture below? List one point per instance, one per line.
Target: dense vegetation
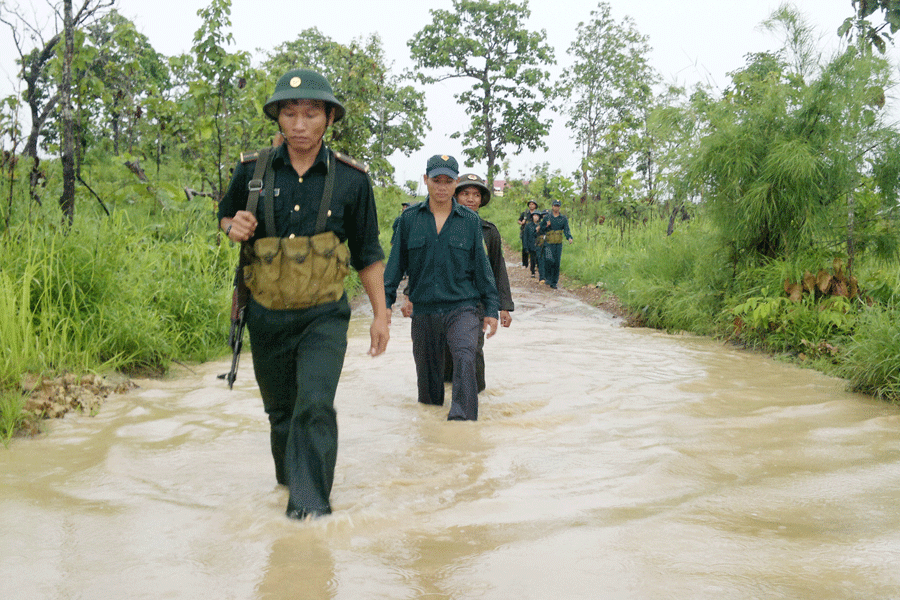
(765, 213)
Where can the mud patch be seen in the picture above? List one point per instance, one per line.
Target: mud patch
(53, 398)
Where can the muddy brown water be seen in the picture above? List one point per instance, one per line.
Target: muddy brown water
(608, 463)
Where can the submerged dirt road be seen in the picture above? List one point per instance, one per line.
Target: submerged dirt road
(609, 462)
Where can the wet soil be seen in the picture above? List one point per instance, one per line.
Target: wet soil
(53, 398)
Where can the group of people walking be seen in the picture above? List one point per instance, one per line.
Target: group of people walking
(303, 215)
(542, 235)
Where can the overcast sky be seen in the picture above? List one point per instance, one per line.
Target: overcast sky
(692, 41)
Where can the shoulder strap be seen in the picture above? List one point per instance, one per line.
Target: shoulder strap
(263, 161)
(269, 186)
(348, 160)
(326, 194)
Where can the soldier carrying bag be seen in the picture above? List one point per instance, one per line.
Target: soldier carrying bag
(555, 236)
(299, 271)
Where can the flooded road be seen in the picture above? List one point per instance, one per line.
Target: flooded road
(609, 463)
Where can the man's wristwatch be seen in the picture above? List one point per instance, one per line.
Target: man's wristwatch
(228, 230)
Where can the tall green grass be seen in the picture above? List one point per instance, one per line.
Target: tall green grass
(11, 416)
(112, 293)
(872, 359)
(672, 282)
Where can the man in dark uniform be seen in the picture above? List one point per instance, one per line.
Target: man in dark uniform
(530, 241)
(318, 205)
(555, 227)
(472, 193)
(440, 245)
(524, 219)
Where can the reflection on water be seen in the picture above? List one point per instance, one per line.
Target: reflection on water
(608, 463)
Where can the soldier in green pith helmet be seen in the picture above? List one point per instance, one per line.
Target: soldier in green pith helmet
(303, 215)
(473, 193)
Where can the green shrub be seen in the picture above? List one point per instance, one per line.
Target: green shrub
(871, 361)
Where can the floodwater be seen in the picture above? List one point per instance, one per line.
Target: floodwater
(609, 463)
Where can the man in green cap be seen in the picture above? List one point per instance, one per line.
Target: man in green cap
(439, 244)
(316, 217)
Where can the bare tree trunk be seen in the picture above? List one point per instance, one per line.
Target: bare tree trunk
(67, 200)
(851, 234)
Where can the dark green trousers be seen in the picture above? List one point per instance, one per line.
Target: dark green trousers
(297, 358)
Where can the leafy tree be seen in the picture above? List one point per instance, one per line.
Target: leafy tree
(128, 71)
(383, 114)
(42, 92)
(10, 137)
(783, 154)
(677, 124)
(212, 100)
(607, 94)
(867, 34)
(485, 43)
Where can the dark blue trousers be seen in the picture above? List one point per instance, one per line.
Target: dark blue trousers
(551, 263)
(457, 330)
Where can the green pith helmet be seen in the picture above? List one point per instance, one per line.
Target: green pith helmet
(473, 180)
(302, 84)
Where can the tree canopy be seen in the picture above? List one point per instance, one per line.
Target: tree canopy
(607, 94)
(384, 113)
(486, 44)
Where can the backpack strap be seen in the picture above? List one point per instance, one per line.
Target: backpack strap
(263, 160)
(269, 186)
(325, 205)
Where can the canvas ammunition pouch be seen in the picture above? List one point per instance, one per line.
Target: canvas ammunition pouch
(555, 237)
(298, 271)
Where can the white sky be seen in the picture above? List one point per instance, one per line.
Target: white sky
(692, 40)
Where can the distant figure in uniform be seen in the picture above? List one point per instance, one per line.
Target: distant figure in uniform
(316, 217)
(524, 219)
(555, 226)
(440, 245)
(530, 241)
(472, 193)
(403, 207)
